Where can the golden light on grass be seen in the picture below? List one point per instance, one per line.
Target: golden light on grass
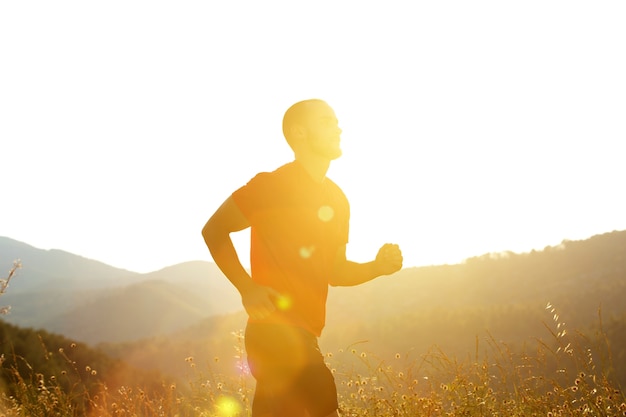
(434, 385)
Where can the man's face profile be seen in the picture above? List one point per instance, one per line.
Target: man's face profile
(323, 132)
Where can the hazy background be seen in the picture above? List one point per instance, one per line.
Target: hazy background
(469, 127)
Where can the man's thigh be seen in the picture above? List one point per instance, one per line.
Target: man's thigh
(290, 372)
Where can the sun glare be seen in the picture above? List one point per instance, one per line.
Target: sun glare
(326, 213)
(227, 407)
(283, 303)
(306, 252)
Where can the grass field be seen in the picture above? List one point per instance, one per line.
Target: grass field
(567, 376)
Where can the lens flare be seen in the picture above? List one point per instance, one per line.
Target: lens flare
(325, 213)
(306, 252)
(227, 407)
(283, 303)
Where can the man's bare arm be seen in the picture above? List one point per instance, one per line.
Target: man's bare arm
(347, 273)
(257, 300)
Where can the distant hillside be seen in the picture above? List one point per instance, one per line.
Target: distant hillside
(504, 293)
(45, 270)
(458, 308)
(93, 302)
(191, 309)
(134, 312)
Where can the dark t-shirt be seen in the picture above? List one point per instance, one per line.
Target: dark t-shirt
(297, 227)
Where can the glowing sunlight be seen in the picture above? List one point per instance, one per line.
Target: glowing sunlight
(463, 132)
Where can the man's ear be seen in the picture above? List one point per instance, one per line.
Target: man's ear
(297, 133)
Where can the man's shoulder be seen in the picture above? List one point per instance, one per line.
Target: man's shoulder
(282, 171)
(270, 179)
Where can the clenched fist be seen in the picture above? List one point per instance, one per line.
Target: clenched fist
(389, 259)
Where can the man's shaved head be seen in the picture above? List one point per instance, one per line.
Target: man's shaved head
(297, 115)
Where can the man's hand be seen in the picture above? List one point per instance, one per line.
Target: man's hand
(260, 301)
(389, 259)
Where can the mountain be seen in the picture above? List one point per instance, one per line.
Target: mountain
(49, 270)
(192, 305)
(93, 302)
(134, 312)
(517, 299)
(505, 294)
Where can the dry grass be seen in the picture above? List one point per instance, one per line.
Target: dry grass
(568, 375)
(4, 284)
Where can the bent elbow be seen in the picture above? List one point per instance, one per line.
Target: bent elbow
(210, 232)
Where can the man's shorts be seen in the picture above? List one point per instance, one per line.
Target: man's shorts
(290, 372)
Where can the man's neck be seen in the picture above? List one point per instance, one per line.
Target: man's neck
(315, 166)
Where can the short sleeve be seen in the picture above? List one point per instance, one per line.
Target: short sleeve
(254, 196)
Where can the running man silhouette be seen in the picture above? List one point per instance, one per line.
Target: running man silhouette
(299, 231)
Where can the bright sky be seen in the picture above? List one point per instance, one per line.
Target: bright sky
(468, 126)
